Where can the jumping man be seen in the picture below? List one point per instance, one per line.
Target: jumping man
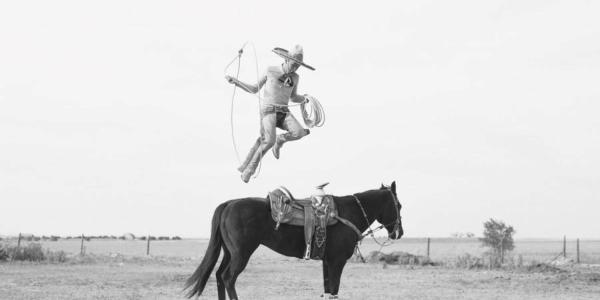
(279, 86)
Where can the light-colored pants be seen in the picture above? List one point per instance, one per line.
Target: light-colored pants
(269, 122)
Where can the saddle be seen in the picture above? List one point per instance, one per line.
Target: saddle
(314, 214)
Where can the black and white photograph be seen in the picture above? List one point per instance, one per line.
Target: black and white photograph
(300, 149)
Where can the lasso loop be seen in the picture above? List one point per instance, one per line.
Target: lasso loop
(238, 57)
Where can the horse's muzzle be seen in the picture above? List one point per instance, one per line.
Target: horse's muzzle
(396, 234)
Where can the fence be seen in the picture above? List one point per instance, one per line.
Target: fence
(99, 244)
(540, 250)
(438, 249)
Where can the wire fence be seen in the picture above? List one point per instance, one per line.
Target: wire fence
(585, 251)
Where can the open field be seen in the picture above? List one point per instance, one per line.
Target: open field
(284, 278)
(130, 275)
(442, 249)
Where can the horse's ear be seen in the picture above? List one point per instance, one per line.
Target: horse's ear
(393, 187)
(382, 186)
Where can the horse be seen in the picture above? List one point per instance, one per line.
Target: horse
(239, 226)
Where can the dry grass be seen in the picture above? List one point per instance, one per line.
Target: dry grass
(284, 278)
(105, 274)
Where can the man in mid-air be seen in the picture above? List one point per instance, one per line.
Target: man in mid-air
(279, 86)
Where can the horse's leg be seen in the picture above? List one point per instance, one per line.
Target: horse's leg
(236, 266)
(335, 268)
(240, 245)
(325, 279)
(219, 274)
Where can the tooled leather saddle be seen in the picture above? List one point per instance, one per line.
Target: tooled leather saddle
(314, 214)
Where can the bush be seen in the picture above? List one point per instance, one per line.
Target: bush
(498, 237)
(56, 256)
(397, 258)
(31, 252)
(163, 238)
(3, 253)
(176, 238)
(468, 261)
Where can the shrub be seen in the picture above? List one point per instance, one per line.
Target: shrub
(176, 238)
(163, 238)
(498, 237)
(56, 256)
(31, 252)
(468, 261)
(3, 253)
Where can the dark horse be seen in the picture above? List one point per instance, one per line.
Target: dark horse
(239, 226)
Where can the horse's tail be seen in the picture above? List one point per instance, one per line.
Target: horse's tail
(200, 276)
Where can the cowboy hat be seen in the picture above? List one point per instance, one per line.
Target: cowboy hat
(296, 54)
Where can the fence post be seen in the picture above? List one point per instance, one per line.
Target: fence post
(148, 245)
(577, 250)
(565, 246)
(428, 245)
(81, 250)
(17, 250)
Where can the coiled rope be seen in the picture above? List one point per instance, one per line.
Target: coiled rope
(315, 116)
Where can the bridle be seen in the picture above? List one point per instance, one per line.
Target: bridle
(371, 232)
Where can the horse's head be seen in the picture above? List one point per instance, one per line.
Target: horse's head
(390, 213)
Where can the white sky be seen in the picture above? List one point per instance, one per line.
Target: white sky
(114, 115)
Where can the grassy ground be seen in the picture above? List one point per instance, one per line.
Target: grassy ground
(288, 279)
(104, 274)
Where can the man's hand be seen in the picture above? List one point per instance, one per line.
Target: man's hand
(307, 98)
(229, 79)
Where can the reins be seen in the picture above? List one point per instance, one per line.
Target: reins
(371, 232)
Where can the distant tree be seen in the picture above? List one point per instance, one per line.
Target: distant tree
(498, 236)
(470, 235)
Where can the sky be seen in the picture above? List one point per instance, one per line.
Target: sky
(115, 115)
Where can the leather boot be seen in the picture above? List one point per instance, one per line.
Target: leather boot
(250, 155)
(252, 165)
(277, 147)
(246, 174)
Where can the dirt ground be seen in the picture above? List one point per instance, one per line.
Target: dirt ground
(288, 278)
